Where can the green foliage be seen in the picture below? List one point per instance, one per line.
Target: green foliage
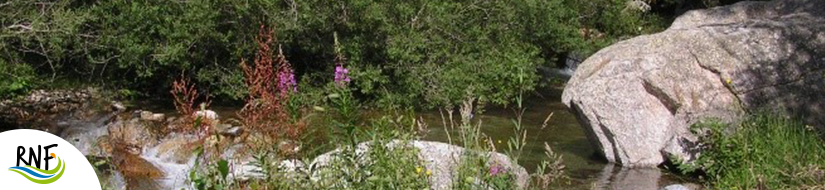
(15, 79)
(763, 152)
(382, 166)
(209, 175)
(376, 167)
(400, 53)
(138, 44)
(474, 172)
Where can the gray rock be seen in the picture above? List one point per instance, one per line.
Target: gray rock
(676, 187)
(90, 137)
(149, 116)
(118, 106)
(207, 114)
(440, 158)
(158, 117)
(146, 115)
(229, 130)
(637, 98)
(637, 5)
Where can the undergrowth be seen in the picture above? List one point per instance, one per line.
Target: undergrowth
(764, 151)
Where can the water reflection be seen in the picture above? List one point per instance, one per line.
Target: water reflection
(565, 136)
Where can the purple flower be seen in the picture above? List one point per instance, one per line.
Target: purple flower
(496, 169)
(341, 75)
(286, 80)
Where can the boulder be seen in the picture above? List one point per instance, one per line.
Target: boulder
(118, 106)
(149, 116)
(636, 99)
(41, 108)
(206, 114)
(440, 158)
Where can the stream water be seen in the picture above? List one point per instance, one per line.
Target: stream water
(566, 137)
(563, 133)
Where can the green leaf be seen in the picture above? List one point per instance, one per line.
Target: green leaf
(223, 167)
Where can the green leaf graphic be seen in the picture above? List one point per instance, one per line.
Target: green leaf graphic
(45, 181)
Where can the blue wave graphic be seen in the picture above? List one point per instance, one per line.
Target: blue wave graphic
(32, 173)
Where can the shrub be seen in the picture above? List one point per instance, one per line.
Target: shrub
(764, 151)
(15, 79)
(134, 44)
(399, 54)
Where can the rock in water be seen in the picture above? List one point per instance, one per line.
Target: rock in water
(206, 114)
(637, 98)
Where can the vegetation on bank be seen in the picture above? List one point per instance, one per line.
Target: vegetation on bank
(399, 53)
(344, 56)
(276, 115)
(764, 151)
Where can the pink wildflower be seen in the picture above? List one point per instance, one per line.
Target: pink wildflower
(341, 75)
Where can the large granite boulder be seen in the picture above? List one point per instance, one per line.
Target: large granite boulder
(636, 99)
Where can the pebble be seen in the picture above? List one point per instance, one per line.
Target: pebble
(118, 106)
(207, 114)
(676, 187)
(232, 131)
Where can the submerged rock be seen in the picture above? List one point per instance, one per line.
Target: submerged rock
(637, 98)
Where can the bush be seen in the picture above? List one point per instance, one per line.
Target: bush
(15, 79)
(762, 152)
(399, 53)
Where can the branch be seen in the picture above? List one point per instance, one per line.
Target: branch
(24, 27)
(4, 4)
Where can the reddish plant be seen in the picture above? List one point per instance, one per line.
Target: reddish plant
(270, 81)
(184, 94)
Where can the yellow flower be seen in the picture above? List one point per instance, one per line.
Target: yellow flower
(729, 81)
(499, 141)
(418, 170)
(429, 173)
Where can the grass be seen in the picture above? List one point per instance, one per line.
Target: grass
(339, 123)
(378, 167)
(764, 151)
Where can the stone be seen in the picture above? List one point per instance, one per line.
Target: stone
(637, 98)
(440, 158)
(158, 117)
(207, 114)
(637, 5)
(175, 148)
(676, 187)
(86, 139)
(118, 106)
(132, 133)
(290, 166)
(289, 147)
(149, 116)
(232, 131)
(146, 115)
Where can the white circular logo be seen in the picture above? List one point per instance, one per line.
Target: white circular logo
(40, 160)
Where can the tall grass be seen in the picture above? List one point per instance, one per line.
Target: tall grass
(764, 151)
